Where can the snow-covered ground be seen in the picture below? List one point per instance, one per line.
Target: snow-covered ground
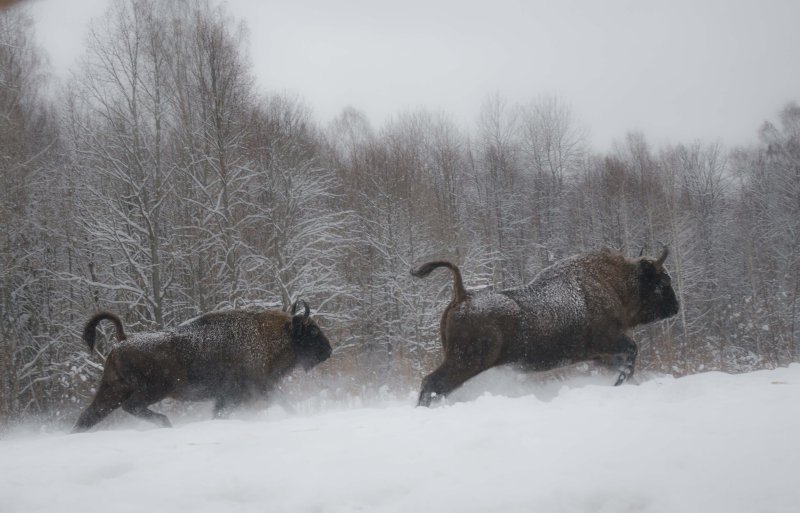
(706, 443)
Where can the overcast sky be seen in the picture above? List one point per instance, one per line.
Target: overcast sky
(677, 70)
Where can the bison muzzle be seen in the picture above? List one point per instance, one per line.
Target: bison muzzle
(579, 309)
(228, 356)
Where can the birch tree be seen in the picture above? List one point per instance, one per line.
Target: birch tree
(215, 99)
(501, 189)
(29, 149)
(117, 124)
(553, 148)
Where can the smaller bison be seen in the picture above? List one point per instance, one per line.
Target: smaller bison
(229, 356)
(580, 308)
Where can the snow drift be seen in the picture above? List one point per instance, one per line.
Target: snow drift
(707, 443)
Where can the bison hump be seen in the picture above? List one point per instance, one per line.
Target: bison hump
(552, 306)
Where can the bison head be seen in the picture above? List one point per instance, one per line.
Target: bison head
(657, 297)
(310, 344)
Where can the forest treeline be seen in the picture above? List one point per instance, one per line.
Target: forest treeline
(159, 183)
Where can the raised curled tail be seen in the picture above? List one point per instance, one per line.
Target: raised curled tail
(89, 329)
(459, 292)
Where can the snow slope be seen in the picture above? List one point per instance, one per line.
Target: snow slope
(706, 443)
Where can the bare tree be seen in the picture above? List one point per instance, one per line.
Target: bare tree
(553, 150)
(28, 151)
(767, 220)
(297, 225)
(118, 122)
(214, 101)
(501, 188)
(172, 187)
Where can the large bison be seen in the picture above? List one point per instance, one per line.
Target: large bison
(580, 308)
(228, 356)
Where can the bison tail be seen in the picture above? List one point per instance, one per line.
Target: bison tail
(459, 292)
(89, 330)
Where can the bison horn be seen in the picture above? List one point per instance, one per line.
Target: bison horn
(306, 309)
(663, 256)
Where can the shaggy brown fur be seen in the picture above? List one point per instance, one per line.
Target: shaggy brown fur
(229, 356)
(580, 308)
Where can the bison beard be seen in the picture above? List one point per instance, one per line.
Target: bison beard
(229, 356)
(578, 309)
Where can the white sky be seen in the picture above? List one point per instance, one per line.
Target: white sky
(676, 70)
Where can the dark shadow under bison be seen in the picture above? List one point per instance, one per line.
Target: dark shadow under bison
(578, 309)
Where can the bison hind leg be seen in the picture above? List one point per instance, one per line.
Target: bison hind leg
(107, 399)
(444, 380)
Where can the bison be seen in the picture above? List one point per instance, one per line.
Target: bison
(578, 309)
(228, 356)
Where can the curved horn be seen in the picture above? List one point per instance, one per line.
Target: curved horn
(306, 309)
(663, 257)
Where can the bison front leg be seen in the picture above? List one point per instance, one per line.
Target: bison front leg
(626, 359)
(225, 404)
(619, 354)
(138, 406)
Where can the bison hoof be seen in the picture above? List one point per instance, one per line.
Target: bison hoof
(624, 375)
(425, 399)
